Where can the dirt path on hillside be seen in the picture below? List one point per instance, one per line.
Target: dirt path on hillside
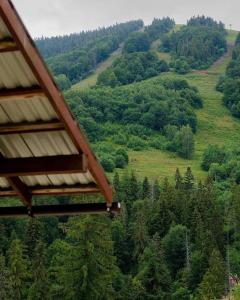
(218, 62)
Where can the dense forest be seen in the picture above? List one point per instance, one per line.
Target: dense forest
(156, 113)
(230, 83)
(76, 55)
(198, 44)
(170, 242)
(176, 238)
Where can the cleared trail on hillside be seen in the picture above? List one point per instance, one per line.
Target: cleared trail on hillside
(217, 63)
(92, 79)
(216, 125)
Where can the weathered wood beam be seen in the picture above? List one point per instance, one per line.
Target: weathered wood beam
(21, 190)
(60, 210)
(20, 93)
(30, 166)
(16, 128)
(56, 190)
(8, 45)
(65, 190)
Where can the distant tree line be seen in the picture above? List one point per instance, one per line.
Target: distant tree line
(230, 83)
(196, 45)
(75, 56)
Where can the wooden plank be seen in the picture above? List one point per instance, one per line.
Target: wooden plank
(62, 164)
(60, 210)
(20, 93)
(76, 189)
(30, 127)
(8, 45)
(65, 190)
(39, 69)
(21, 189)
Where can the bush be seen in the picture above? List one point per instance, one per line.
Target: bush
(136, 143)
(183, 142)
(108, 164)
(63, 82)
(122, 152)
(181, 66)
(137, 42)
(212, 154)
(120, 161)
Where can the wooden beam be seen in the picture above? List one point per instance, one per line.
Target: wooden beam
(6, 129)
(60, 210)
(7, 45)
(21, 189)
(30, 166)
(20, 93)
(65, 190)
(76, 189)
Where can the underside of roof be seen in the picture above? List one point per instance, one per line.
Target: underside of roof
(42, 149)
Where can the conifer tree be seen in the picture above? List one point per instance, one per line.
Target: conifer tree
(33, 234)
(153, 272)
(4, 278)
(145, 188)
(178, 180)
(213, 283)
(18, 266)
(40, 287)
(89, 264)
(188, 179)
(156, 190)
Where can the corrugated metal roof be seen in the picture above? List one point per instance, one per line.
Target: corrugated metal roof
(28, 97)
(37, 108)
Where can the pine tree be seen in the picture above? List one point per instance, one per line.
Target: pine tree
(153, 272)
(40, 287)
(33, 234)
(156, 190)
(139, 226)
(178, 179)
(213, 283)
(4, 278)
(145, 188)
(89, 264)
(18, 266)
(188, 179)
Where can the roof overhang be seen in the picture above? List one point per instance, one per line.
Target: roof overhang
(42, 149)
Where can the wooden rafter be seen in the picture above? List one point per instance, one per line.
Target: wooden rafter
(90, 188)
(30, 166)
(20, 93)
(7, 45)
(30, 127)
(60, 210)
(21, 190)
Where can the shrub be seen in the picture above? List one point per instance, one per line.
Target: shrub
(107, 164)
(212, 154)
(136, 143)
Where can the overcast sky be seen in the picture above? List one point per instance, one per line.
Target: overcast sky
(57, 17)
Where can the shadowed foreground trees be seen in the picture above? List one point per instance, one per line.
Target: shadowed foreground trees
(168, 243)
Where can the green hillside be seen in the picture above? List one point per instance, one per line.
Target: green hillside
(214, 120)
(215, 126)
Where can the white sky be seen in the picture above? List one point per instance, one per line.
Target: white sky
(58, 17)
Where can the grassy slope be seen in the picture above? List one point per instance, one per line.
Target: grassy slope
(92, 79)
(216, 126)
